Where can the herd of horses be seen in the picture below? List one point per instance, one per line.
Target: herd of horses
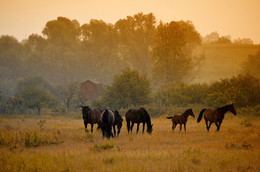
(108, 119)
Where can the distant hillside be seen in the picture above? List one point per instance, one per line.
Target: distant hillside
(222, 60)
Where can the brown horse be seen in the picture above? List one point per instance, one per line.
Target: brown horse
(107, 121)
(138, 116)
(215, 115)
(91, 117)
(181, 119)
(118, 122)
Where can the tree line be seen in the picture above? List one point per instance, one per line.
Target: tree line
(142, 61)
(98, 50)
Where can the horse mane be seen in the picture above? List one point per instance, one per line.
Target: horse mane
(129, 111)
(223, 109)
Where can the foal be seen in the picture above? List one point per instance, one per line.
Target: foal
(181, 119)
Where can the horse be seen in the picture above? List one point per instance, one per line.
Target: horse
(91, 117)
(118, 122)
(107, 121)
(138, 116)
(181, 119)
(216, 115)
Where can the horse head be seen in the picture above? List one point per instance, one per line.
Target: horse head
(150, 129)
(232, 109)
(85, 110)
(191, 113)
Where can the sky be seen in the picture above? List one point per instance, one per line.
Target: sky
(237, 18)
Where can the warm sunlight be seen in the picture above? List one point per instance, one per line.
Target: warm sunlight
(129, 85)
(236, 18)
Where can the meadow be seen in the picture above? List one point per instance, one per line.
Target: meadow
(61, 144)
(222, 61)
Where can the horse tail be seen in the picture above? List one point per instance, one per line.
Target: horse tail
(169, 117)
(200, 116)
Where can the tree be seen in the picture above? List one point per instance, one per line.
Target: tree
(63, 31)
(224, 40)
(36, 98)
(33, 81)
(68, 93)
(210, 38)
(172, 57)
(252, 65)
(128, 88)
(136, 35)
(99, 47)
(11, 54)
(35, 92)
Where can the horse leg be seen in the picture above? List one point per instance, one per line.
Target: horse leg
(180, 127)
(114, 128)
(128, 126)
(184, 127)
(132, 127)
(218, 126)
(111, 133)
(173, 126)
(92, 128)
(209, 125)
(137, 128)
(118, 130)
(143, 127)
(86, 127)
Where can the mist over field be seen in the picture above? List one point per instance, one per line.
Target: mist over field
(137, 61)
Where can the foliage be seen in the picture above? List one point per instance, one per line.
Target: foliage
(252, 65)
(136, 34)
(68, 94)
(181, 94)
(33, 81)
(36, 98)
(243, 90)
(63, 31)
(128, 88)
(172, 52)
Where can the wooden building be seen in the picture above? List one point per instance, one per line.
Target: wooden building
(90, 90)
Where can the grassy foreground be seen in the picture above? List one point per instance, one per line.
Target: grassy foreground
(27, 144)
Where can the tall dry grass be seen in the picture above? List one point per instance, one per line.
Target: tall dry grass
(64, 146)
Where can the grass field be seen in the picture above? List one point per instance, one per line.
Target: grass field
(60, 144)
(223, 61)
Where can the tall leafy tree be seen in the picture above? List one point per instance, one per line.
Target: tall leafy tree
(128, 88)
(99, 47)
(68, 93)
(11, 55)
(172, 52)
(35, 93)
(36, 98)
(136, 35)
(252, 65)
(63, 31)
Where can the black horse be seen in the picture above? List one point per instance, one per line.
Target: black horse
(118, 122)
(107, 121)
(138, 116)
(91, 117)
(215, 115)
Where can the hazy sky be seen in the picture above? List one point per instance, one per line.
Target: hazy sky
(238, 18)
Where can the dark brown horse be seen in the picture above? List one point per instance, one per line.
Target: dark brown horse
(107, 121)
(215, 115)
(181, 119)
(138, 116)
(91, 117)
(118, 122)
